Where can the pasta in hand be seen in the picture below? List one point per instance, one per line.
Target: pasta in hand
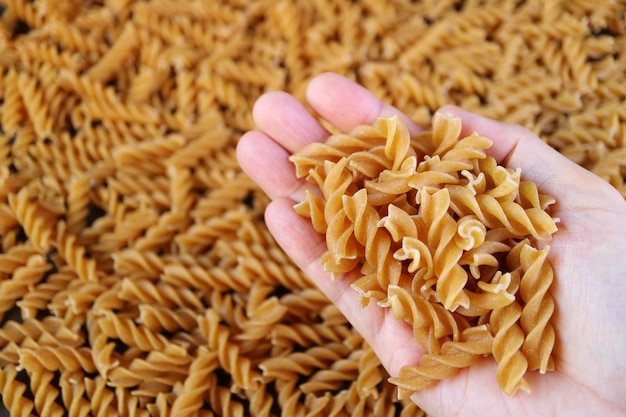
(444, 237)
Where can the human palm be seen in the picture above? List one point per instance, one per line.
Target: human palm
(590, 281)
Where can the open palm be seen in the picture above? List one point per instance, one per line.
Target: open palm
(590, 284)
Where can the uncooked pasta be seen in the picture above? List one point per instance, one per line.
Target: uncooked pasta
(412, 226)
(137, 276)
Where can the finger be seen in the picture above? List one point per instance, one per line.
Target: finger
(267, 163)
(285, 127)
(285, 121)
(346, 104)
(391, 339)
(283, 118)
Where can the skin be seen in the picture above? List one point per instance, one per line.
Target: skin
(590, 271)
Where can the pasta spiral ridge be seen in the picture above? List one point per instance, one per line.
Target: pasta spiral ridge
(78, 200)
(100, 396)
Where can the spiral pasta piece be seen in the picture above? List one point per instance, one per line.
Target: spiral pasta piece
(369, 374)
(199, 381)
(75, 254)
(13, 110)
(507, 214)
(101, 397)
(22, 279)
(380, 268)
(77, 202)
(44, 295)
(331, 378)
(36, 221)
(56, 359)
(228, 353)
(342, 256)
(73, 398)
(51, 331)
(157, 318)
(12, 393)
(45, 394)
(115, 56)
(145, 264)
(507, 348)
(263, 319)
(103, 349)
(451, 277)
(125, 330)
(475, 342)
(35, 104)
(428, 319)
(145, 291)
(538, 308)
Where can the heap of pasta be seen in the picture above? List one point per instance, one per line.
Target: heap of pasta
(444, 237)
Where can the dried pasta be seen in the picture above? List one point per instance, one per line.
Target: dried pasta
(132, 242)
(413, 225)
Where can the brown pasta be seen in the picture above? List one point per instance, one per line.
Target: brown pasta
(131, 241)
(414, 224)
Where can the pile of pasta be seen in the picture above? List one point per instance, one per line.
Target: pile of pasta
(137, 276)
(444, 236)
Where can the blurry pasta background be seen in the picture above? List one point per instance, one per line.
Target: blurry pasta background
(136, 274)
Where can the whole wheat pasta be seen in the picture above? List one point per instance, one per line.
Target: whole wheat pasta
(13, 391)
(475, 342)
(191, 397)
(44, 296)
(217, 335)
(23, 277)
(139, 264)
(45, 394)
(121, 200)
(432, 262)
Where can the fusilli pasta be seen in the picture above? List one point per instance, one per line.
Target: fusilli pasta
(423, 233)
(126, 222)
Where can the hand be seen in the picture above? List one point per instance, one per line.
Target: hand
(586, 254)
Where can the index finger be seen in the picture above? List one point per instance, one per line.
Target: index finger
(346, 104)
(285, 126)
